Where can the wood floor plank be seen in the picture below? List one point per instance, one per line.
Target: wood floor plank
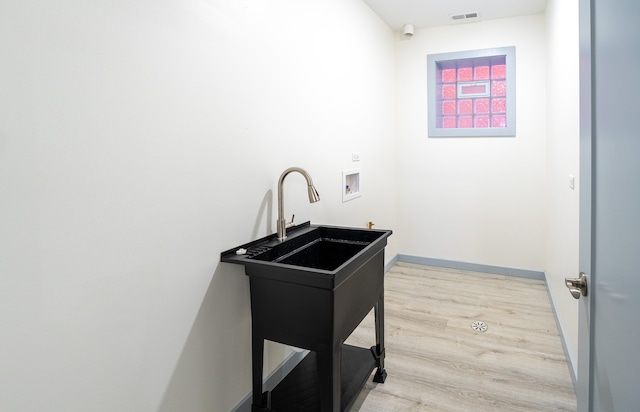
(437, 362)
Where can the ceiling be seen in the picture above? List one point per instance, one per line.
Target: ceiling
(430, 13)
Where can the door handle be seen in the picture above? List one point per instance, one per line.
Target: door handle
(577, 286)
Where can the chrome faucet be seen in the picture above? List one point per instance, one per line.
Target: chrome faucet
(313, 197)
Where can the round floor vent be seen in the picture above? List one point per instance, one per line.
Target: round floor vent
(479, 326)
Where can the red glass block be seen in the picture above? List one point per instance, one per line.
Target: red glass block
(449, 122)
(448, 75)
(481, 121)
(465, 74)
(499, 121)
(465, 122)
(481, 106)
(498, 88)
(449, 91)
(498, 105)
(449, 107)
(499, 71)
(481, 73)
(465, 106)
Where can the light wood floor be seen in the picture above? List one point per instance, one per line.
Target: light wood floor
(437, 362)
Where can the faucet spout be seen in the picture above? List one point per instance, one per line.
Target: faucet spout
(311, 190)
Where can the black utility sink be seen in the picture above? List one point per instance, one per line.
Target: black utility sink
(321, 252)
(322, 248)
(311, 290)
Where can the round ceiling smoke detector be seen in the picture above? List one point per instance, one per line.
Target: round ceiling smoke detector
(408, 30)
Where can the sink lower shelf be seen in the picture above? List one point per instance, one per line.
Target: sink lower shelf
(299, 390)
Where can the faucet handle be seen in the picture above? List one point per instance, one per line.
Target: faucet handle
(290, 223)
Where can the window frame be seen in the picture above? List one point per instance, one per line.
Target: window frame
(433, 63)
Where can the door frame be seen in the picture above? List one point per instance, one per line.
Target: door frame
(584, 383)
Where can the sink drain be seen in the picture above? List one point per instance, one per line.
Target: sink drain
(479, 326)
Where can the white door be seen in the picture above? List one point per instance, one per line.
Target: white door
(609, 327)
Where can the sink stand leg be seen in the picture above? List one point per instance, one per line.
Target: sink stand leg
(261, 401)
(329, 360)
(378, 350)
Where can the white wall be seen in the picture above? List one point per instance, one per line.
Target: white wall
(140, 139)
(563, 118)
(474, 200)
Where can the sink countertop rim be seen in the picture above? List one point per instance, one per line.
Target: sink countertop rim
(230, 255)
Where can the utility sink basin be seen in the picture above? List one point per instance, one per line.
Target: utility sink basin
(322, 248)
(311, 290)
(319, 252)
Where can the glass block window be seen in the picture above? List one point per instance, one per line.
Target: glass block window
(472, 93)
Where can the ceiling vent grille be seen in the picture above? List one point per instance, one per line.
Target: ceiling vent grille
(465, 16)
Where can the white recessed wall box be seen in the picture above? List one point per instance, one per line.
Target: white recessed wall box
(351, 184)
